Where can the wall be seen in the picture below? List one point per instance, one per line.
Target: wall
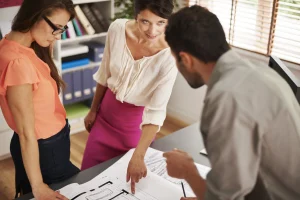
(8, 13)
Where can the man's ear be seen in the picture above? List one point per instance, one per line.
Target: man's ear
(187, 61)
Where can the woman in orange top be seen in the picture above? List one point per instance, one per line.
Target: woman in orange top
(29, 87)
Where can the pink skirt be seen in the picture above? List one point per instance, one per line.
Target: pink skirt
(115, 131)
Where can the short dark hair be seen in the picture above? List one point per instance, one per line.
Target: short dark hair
(162, 8)
(197, 31)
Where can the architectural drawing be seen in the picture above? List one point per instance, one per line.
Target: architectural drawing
(108, 188)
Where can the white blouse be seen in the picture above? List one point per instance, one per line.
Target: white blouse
(145, 82)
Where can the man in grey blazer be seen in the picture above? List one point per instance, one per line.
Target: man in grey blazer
(250, 122)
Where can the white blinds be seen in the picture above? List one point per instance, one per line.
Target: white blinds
(263, 26)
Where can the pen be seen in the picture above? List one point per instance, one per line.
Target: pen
(183, 189)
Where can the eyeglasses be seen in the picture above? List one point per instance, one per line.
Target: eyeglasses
(56, 30)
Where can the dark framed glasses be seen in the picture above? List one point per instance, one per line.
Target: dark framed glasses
(56, 30)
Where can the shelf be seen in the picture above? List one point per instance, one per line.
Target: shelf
(90, 65)
(82, 38)
(87, 1)
(76, 113)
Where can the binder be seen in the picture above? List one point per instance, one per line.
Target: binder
(68, 91)
(77, 86)
(87, 82)
(94, 84)
(96, 50)
(75, 63)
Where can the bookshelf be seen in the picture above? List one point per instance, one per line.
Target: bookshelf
(82, 38)
(76, 111)
(90, 65)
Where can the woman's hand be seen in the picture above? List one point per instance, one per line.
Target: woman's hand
(43, 192)
(89, 120)
(135, 171)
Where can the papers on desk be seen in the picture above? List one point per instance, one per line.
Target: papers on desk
(111, 183)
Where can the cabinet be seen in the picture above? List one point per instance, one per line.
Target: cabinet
(106, 7)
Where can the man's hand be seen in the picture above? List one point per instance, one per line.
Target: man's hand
(135, 171)
(179, 164)
(43, 192)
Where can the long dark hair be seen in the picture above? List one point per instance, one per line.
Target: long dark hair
(32, 11)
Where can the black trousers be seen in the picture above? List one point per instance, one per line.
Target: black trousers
(54, 158)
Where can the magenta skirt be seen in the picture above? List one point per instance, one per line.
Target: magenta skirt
(115, 131)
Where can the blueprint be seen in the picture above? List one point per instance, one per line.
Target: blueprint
(111, 184)
(104, 188)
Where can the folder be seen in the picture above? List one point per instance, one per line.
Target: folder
(95, 69)
(75, 63)
(77, 86)
(87, 82)
(68, 91)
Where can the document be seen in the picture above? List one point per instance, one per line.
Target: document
(111, 184)
(156, 164)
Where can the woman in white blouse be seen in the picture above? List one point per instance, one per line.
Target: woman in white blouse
(135, 81)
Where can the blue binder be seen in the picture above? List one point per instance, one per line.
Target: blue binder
(77, 86)
(75, 63)
(94, 84)
(68, 91)
(87, 81)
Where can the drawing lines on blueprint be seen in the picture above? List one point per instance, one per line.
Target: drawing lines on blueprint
(111, 189)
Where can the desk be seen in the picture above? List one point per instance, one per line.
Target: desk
(187, 139)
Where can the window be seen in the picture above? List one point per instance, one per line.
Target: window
(262, 26)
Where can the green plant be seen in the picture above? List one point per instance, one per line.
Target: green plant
(127, 9)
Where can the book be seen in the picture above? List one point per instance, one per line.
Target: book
(64, 35)
(84, 21)
(75, 63)
(71, 30)
(76, 27)
(92, 19)
(75, 57)
(104, 22)
(71, 50)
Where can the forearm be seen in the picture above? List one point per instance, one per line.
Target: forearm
(30, 156)
(196, 182)
(99, 94)
(148, 134)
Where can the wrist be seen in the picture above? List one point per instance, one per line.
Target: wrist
(138, 155)
(191, 172)
(36, 185)
(93, 110)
